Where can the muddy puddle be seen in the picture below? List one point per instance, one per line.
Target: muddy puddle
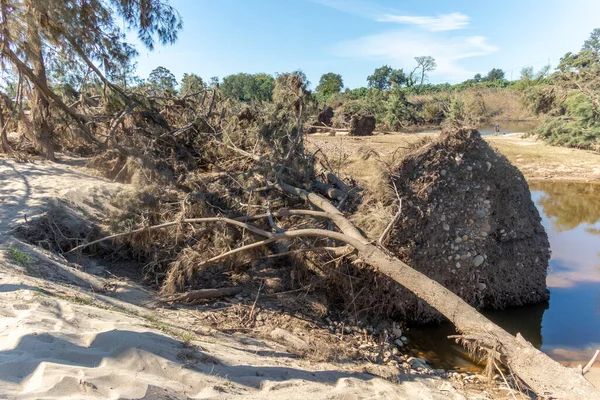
(568, 327)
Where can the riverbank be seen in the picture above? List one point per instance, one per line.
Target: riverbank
(359, 156)
(81, 329)
(540, 161)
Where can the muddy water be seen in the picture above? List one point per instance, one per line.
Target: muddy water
(568, 328)
(505, 127)
(508, 127)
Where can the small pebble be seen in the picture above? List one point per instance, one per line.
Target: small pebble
(478, 260)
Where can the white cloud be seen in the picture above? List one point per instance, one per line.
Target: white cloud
(401, 46)
(444, 22)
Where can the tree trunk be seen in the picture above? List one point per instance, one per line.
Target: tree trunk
(3, 138)
(544, 376)
(40, 107)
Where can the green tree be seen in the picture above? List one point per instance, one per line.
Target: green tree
(495, 74)
(380, 78)
(593, 42)
(191, 83)
(38, 34)
(330, 83)
(161, 80)
(248, 87)
(527, 74)
(397, 77)
(213, 82)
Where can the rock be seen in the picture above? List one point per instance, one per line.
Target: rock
(469, 168)
(465, 238)
(443, 172)
(396, 331)
(480, 212)
(478, 260)
(399, 343)
(481, 286)
(404, 339)
(486, 228)
(446, 227)
(457, 265)
(458, 240)
(489, 165)
(443, 217)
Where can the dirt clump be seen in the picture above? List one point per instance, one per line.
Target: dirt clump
(362, 125)
(468, 222)
(326, 116)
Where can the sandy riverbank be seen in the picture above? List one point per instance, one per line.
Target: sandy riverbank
(359, 156)
(68, 331)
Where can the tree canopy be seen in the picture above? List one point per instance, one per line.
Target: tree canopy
(161, 80)
(383, 78)
(330, 83)
(495, 74)
(42, 39)
(248, 87)
(191, 83)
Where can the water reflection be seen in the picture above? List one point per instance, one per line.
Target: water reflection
(508, 127)
(571, 215)
(568, 328)
(568, 205)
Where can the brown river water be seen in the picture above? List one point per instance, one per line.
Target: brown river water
(568, 327)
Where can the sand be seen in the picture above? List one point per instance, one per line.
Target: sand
(60, 339)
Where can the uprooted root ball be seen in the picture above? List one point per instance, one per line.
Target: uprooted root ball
(468, 222)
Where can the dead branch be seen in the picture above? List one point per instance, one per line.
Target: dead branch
(239, 221)
(328, 190)
(205, 294)
(589, 364)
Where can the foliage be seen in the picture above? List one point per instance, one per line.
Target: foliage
(573, 103)
(248, 87)
(191, 83)
(161, 80)
(67, 42)
(383, 78)
(398, 111)
(495, 74)
(330, 83)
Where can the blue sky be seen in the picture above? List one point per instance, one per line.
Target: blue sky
(353, 37)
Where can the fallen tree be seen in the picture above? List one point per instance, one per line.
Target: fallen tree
(546, 377)
(262, 161)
